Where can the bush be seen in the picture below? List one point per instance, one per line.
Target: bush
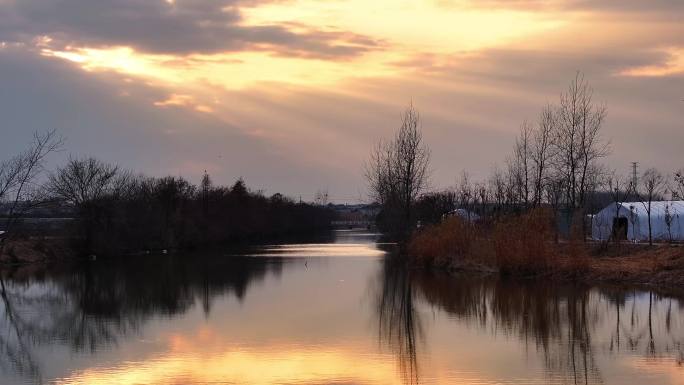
(443, 243)
(520, 245)
(524, 243)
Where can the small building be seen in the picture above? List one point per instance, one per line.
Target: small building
(629, 221)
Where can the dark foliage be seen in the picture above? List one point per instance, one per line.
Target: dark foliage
(138, 214)
(431, 207)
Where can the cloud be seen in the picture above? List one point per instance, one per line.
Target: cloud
(182, 100)
(296, 139)
(179, 27)
(298, 131)
(672, 65)
(653, 6)
(104, 116)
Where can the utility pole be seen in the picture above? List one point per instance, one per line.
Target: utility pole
(635, 165)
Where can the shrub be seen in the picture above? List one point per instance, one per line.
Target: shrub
(524, 244)
(443, 243)
(520, 245)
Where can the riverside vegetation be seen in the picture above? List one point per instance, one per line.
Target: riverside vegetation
(111, 211)
(530, 218)
(524, 246)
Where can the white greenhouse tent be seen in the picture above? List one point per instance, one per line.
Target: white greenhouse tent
(629, 220)
(463, 214)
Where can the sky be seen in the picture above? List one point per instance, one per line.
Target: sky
(291, 95)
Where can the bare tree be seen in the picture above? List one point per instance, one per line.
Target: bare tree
(482, 196)
(523, 159)
(513, 181)
(669, 217)
(578, 143)
(85, 184)
(465, 194)
(18, 175)
(380, 174)
(84, 180)
(678, 185)
(554, 195)
(412, 161)
(653, 184)
(397, 171)
(595, 183)
(497, 187)
(578, 140)
(542, 153)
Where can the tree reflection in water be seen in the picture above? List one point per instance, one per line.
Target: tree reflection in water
(572, 328)
(90, 306)
(559, 320)
(399, 324)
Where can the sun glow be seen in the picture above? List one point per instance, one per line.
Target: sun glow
(272, 366)
(120, 59)
(227, 70)
(403, 30)
(423, 25)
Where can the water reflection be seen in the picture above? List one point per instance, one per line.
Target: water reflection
(90, 306)
(325, 314)
(399, 325)
(560, 322)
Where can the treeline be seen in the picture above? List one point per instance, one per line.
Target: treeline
(513, 221)
(556, 164)
(116, 211)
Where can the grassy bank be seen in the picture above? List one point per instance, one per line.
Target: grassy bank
(527, 246)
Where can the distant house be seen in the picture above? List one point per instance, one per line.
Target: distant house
(629, 221)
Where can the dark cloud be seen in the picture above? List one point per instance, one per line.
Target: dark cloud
(472, 104)
(116, 121)
(180, 27)
(314, 138)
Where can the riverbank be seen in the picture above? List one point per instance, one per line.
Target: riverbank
(526, 247)
(49, 249)
(658, 266)
(36, 250)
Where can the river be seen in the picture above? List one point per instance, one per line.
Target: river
(340, 312)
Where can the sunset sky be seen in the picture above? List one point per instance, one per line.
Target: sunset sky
(292, 94)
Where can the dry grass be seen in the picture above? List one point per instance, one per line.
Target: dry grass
(442, 244)
(517, 245)
(524, 245)
(661, 265)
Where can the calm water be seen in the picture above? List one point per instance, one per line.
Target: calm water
(337, 313)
